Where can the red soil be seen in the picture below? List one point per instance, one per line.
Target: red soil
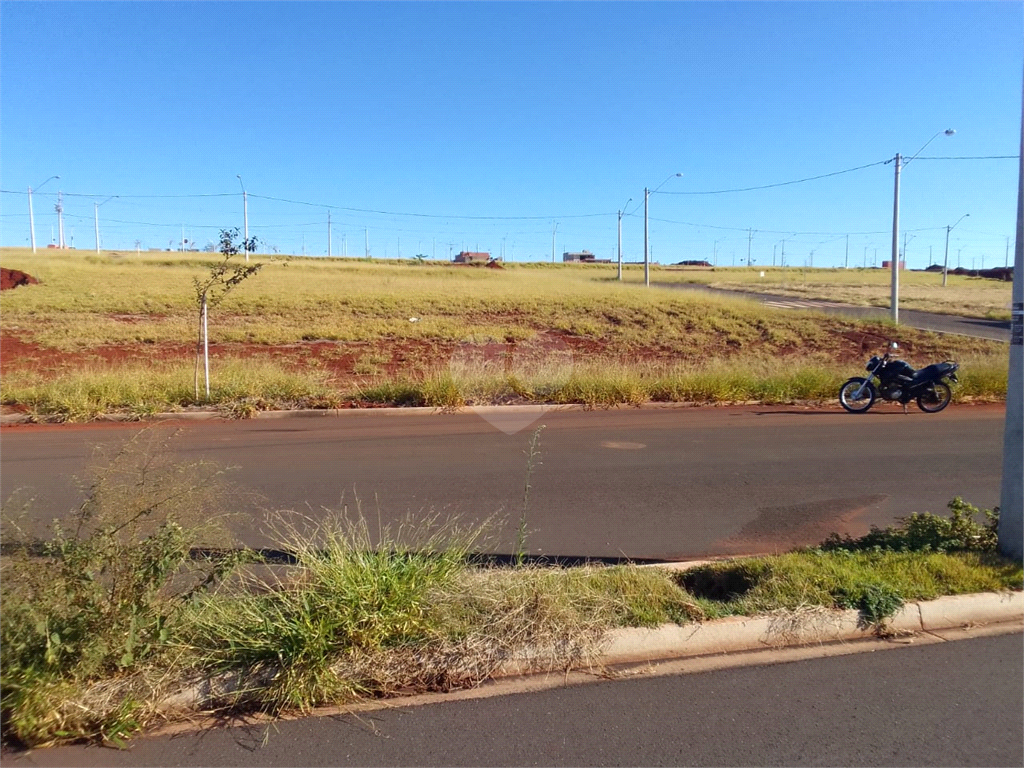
(12, 278)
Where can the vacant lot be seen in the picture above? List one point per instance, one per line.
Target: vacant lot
(118, 332)
(967, 296)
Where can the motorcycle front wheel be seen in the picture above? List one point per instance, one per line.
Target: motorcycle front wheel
(935, 398)
(848, 391)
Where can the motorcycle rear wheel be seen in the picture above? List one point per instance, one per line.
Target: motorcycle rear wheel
(849, 389)
(935, 398)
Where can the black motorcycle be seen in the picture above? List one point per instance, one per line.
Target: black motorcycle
(900, 383)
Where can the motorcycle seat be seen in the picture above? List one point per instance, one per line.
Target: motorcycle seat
(934, 371)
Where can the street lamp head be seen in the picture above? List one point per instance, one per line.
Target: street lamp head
(679, 175)
(950, 131)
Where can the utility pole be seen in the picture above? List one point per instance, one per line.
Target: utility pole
(1006, 262)
(846, 264)
(620, 236)
(714, 254)
(894, 293)
(366, 232)
(31, 221)
(1011, 506)
(60, 220)
(783, 260)
(553, 230)
(750, 237)
(328, 234)
(96, 223)
(865, 257)
(647, 263)
(245, 214)
(620, 247)
(775, 250)
(303, 244)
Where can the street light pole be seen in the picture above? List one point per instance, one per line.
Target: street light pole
(945, 259)
(647, 263)
(620, 238)
(245, 214)
(96, 218)
(647, 257)
(31, 217)
(895, 292)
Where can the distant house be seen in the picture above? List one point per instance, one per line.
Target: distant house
(472, 257)
(583, 257)
(888, 265)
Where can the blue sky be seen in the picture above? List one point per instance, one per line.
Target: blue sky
(433, 127)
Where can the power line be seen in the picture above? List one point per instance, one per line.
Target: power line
(431, 215)
(987, 157)
(789, 232)
(83, 194)
(780, 184)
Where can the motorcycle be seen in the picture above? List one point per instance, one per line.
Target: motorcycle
(898, 382)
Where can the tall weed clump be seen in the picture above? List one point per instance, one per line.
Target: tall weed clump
(101, 594)
(351, 592)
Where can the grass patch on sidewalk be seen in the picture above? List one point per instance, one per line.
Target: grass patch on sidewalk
(138, 596)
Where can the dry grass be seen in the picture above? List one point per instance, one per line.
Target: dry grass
(417, 333)
(968, 296)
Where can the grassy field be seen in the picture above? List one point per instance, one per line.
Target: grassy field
(117, 332)
(967, 296)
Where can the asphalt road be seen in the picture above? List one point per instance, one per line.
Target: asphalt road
(672, 483)
(997, 330)
(950, 704)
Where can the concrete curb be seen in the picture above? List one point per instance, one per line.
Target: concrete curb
(784, 629)
(12, 419)
(795, 628)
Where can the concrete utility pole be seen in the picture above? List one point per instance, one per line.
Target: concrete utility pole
(1011, 505)
(553, 230)
(60, 220)
(96, 219)
(894, 298)
(945, 259)
(750, 237)
(31, 218)
(366, 232)
(245, 215)
(620, 238)
(647, 258)
(328, 234)
(846, 264)
(894, 292)
(647, 263)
